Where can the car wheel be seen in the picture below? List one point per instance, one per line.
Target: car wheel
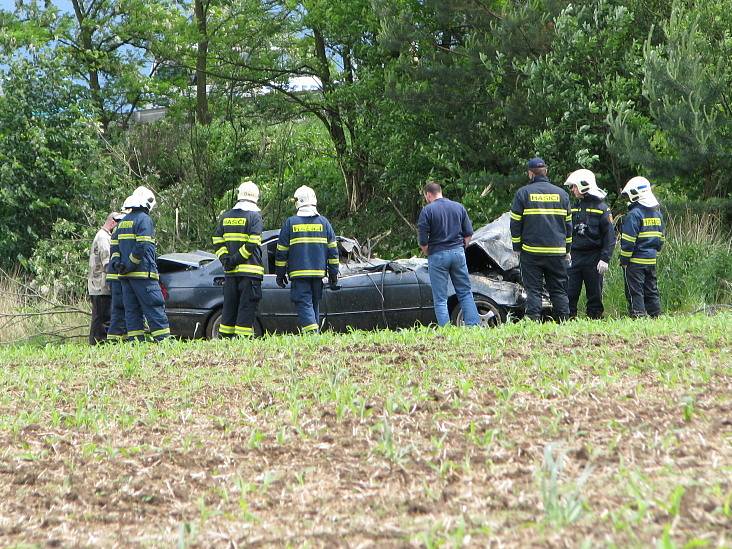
(212, 328)
(491, 315)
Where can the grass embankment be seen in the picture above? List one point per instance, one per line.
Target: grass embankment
(585, 434)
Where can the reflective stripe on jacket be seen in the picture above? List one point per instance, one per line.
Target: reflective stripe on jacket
(306, 247)
(237, 241)
(592, 227)
(642, 235)
(541, 221)
(136, 241)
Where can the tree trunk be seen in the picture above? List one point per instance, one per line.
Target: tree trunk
(350, 163)
(85, 38)
(200, 9)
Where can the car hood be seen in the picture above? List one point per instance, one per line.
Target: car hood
(495, 240)
(189, 259)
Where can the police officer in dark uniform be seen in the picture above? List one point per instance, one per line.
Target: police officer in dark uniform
(642, 237)
(306, 250)
(138, 270)
(593, 241)
(541, 230)
(238, 241)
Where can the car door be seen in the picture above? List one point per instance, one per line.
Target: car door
(356, 304)
(402, 298)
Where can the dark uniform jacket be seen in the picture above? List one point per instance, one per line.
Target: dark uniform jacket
(592, 227)
(114, 257)
(238, 241)
(642, 235)
(136, 240)
(541, 221)
(306, 247)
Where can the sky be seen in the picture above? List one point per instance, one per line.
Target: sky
(10, 4)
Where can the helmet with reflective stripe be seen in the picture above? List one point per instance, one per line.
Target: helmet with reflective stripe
(305, 196)
(585, 182)
(249, 191)
(143, 198)
(638, 189)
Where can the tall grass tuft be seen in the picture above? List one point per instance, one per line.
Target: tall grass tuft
(694, 267)
(38, 315)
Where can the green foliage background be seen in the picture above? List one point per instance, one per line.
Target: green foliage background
(461, 91)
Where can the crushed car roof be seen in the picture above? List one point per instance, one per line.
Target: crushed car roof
(495, 240)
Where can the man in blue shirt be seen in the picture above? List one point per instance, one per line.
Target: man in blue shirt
(444, 231)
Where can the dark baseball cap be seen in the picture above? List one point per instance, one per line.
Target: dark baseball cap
(536, 162)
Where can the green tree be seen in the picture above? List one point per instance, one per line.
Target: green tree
(685, 136)
(51, 164)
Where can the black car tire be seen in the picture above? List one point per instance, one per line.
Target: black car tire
(491, 315)
(212, 327)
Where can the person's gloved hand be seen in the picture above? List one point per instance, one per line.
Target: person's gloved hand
(225, 263)
(569, 260)
(281, 280)
(122, 268)
(602, 267)
(333, 281)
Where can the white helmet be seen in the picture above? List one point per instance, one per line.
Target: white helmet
(638, 189)
(248, 191)
(585, 182)
(305, 196)
(129, 203)
(144, 198)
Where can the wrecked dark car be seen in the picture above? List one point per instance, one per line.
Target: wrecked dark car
(373, 293)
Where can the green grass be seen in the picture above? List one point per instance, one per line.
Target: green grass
(589, 433)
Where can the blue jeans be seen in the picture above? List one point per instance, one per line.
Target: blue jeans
(450, 265)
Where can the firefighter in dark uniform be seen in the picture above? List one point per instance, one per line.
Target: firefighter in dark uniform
(541, 230)
(238, 241)
(642, 237)
(593, 241)
(117, 325)
(306, 250)
(138, 271)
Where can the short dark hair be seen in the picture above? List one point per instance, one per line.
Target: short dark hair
(431, 187)
(538, 171)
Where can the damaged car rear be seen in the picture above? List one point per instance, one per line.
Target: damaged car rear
(373, 293)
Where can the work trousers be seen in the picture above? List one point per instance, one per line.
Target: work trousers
(242, 295)
(143, 297)
(305, 293)
(99, 318)
(641, 290)
(117, 325)
(536, 270)
(584, 270)
(450, 265)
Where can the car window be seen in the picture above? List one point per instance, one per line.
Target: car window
(269, 249)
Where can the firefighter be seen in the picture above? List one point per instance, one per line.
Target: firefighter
(306, 250)
(238, 240)
(593, 240)
(642, 237)
(541, 230)
(138, 271)
(117, 326)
